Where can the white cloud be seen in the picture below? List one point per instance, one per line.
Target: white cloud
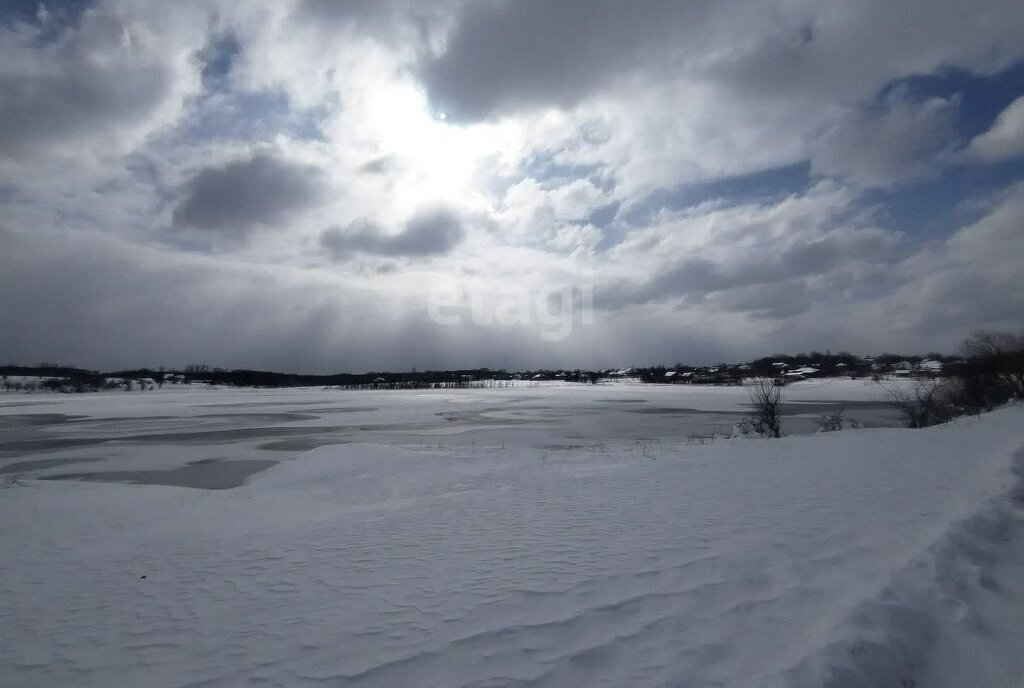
(904, 141)
(727, 282)
(1005, 140)
(112, 147)
(552, 213)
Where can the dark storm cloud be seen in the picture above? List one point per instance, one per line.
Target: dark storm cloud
(766, 279)
(78, 87)
(374, 17)
(240, 196)
(772, 301)
(846, 52)
(503, 54)
(509, 54)
(344, 11)
(428, 233)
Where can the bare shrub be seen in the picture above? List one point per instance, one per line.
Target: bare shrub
(926, 403)
(836, 420)
(11, 480)
(765, 398)
(831, 422)
(975, 394)
(993, 372)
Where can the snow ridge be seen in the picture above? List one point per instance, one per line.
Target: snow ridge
(934, 618)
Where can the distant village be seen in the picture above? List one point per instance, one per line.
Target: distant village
(783, 369)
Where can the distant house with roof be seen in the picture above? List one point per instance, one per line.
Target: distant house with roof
(806, 371)
(800, 373)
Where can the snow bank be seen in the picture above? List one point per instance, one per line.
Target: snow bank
(870, 557)
(951, 617)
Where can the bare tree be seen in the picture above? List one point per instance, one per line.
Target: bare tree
(924, 404)
(765, 397)
(998, 358)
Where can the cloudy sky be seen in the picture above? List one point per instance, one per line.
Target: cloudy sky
(344, 185)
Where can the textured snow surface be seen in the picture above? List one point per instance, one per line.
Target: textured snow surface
(859, 558)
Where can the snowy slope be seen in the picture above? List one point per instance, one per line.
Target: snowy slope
(860, 558)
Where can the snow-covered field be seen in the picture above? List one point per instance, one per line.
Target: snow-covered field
(535, 536)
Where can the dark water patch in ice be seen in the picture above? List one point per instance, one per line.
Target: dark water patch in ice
(795, 407)
(90, 421)
(844, 404)
(40, 464)
(140, 428)
(226, 436)
(49, 444)
(804, 416)
(521, 415)
(283, 417)
(675, 411)
(280, 438)
(300, 444)
(390, 432)
(344, 409)
(254, 404)
(30, 420)
(206, 474)
(189, 438)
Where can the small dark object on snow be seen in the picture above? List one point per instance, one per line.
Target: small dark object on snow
(142, 576)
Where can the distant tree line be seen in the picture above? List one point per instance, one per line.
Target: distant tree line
(51, 378)
(988, 374)
(65, 378)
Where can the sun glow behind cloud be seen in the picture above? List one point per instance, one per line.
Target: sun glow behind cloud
(428, 159)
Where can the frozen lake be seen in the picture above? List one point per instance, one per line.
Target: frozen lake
(542, 536)
(216, 438)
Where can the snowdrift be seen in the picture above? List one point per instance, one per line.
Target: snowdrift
(855, 558)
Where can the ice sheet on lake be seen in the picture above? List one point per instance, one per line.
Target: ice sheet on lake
(845, 559)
